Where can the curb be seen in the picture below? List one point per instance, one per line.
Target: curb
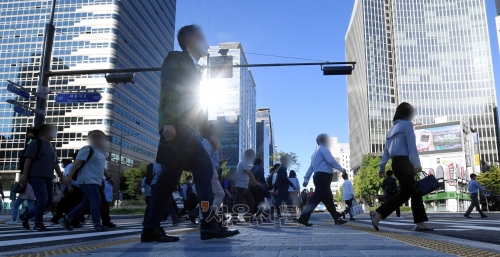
(5, 218)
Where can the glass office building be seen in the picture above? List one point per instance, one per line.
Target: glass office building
(263, 141)
(435, 55)
(264, 115)
(370, 90)
(232, 101)
(90, 34)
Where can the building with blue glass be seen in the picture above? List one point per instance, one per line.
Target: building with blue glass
(231, 100)
(90, 34)
(433, 54)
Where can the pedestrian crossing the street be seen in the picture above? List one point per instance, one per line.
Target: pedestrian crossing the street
(16, 237)
(444, 224)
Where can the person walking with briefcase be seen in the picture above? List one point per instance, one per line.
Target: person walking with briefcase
(402, 149)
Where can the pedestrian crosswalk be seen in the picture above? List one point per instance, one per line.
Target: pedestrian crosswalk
(445, 224)
(13, 237)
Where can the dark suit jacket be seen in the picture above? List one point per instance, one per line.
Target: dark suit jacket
(258, 173)
(180, 94)
(390, 186)
(282, 181)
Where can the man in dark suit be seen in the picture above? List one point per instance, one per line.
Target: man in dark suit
(182, 123)
(391, 189)
(281, 185)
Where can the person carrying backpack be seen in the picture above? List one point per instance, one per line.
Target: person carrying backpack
(391, 189)
(40, 161)
(89, 168)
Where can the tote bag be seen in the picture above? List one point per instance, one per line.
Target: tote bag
(356, 208)
(427, 184)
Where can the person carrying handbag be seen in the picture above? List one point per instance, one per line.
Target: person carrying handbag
(402, 149)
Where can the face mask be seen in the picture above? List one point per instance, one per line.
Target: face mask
(53, 134)
(190, 181)
(202, 48)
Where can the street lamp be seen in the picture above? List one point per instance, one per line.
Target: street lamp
(120, 162)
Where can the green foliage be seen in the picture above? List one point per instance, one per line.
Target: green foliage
(367, 182)
(225, 171)
(490, 180)
(338, 195)
(182, 180)
(133, 178)
(293, 157)
(129, 207)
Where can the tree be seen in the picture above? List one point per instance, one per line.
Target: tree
(490, 180)
(133, 178)
(367, 182)
(225, 171)
(293, 157)
(338, 195)
(184, 175)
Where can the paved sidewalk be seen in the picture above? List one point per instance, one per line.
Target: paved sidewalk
(322, 240)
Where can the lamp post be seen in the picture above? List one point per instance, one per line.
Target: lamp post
(120, 194)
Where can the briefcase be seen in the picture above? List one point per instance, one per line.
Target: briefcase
(427, 184)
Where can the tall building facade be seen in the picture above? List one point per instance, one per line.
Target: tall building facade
(264, 115)
(262, 143)
(90, 34)
(433, 54)
(336, 149)
(231, 101)
(345, 160)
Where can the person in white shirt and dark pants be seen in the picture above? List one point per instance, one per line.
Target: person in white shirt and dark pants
(322, 165)
(347, 195)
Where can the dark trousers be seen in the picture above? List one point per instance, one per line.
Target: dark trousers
(43, 190)
(184, 152)
(405, 173)
(398, 210)
(282, 197)
(104, 208)
(172, 210)
(348, 206)
(244, 194)
(322, 193)
(92, 200)
(68, 203)
(258, 197)
(474, 198)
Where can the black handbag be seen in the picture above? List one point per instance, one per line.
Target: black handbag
(20, 188)
(427, 184)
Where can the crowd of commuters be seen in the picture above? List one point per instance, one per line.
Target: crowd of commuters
(188, 142)
(86, 183)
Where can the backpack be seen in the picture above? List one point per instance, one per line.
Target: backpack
(149, 174)
(91, 152)
(22, 159)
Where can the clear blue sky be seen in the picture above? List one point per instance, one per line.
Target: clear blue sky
(303, 102)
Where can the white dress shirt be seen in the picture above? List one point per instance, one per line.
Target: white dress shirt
(347, 190)
(322, 161)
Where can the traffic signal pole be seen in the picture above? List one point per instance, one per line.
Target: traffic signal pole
(46, 60)
(133, 70)
(45, 64)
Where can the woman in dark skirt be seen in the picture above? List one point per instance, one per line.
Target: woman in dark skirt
(402, 149)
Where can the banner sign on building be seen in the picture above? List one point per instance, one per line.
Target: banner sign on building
(439, 138)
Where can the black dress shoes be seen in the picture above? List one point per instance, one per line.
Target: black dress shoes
(157, 235)
(305, 223)
(217, 231)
